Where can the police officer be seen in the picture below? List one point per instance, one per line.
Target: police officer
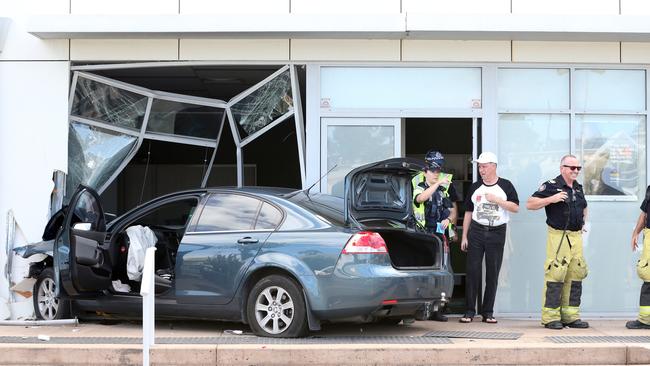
(434, 204)
(565, 267)
(643, 266)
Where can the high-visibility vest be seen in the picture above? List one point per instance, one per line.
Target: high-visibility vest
(418, 209)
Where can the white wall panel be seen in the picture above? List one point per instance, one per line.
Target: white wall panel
(635, 7)
(32, 7)
(234, 6)
(124, 49)
(440, 50)
(20, 45)
(345, 6)
(456, 7)
(635, 52)
(234, 49)
(345, 50)
(33, 139)
(525, 51)
(565, 7)
(124, 6)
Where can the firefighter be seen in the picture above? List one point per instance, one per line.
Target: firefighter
(434, 204)
(643, 266)
(565, 267)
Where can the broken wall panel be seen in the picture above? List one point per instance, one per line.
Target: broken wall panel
(106, 103)
(94, 154)
(269, 102)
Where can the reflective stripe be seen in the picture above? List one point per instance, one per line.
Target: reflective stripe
(644, 314)
(570, 314)
(418, 210)
(550, 315)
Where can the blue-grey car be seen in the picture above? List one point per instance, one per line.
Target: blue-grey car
(280, 260)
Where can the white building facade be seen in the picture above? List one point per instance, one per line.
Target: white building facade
(529, 80)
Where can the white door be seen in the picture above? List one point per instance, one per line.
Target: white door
(348, 143)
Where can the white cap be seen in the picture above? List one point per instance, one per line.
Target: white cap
(487, 157)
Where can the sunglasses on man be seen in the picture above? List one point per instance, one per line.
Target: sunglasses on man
(573, 167)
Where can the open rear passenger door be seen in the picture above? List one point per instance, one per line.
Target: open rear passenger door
(81, 259)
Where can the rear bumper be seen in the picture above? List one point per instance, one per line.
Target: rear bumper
(359, 290)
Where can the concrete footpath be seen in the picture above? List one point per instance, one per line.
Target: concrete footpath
(607, 342)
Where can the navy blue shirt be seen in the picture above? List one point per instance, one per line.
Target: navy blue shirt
(556, 213)
(438, 207)
(645, 207)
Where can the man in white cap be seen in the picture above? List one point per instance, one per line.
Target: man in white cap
(489, 202)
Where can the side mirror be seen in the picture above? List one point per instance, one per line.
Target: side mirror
(83, 226)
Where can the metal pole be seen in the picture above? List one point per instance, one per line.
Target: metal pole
(148, 293)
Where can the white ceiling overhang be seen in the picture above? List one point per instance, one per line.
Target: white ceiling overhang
(397, 26)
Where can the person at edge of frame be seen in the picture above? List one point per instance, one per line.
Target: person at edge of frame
(643, 266)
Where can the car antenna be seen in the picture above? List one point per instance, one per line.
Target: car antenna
(306, 190)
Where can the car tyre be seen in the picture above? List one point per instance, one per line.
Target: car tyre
(47, 306)
(276, 308)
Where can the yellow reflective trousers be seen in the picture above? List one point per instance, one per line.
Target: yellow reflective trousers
(563, 275)
(643, 270)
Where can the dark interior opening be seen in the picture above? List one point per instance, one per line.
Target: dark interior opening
(453, 138)
(161, 167)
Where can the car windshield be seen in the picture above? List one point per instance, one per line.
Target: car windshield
(327, 207)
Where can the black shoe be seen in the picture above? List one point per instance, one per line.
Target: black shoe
(556, 324)
(577, 324)
(438, 317)
(635, 324)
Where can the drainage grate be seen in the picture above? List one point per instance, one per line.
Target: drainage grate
(233, 340)
(599, 339)
(475, 335)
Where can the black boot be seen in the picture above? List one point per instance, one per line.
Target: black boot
(577, 324)
(438, 317)
(635, 324)
(556, 324)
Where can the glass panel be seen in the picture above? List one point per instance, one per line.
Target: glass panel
(395, 87)
(264, 105)
(527, 162)
(609, 90)
(542, 89)
(102, 102)
(349, 147)
(93, 155)
(269, 218)
(612, 149)
(225, 212)
(184, 119)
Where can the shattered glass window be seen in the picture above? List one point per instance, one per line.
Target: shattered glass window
(106, 103)
(94, 155)
(264, 105)
(184, 119)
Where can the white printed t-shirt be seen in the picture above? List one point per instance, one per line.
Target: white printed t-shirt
(485, 212)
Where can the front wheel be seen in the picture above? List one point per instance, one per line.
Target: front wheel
(276, 308)
(47, 305)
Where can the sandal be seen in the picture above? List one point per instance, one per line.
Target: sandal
(489, 320)
(466, 319)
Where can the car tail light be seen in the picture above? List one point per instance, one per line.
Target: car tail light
(365, 242)
(389, 302)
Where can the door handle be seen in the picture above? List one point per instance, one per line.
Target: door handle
(248, 240)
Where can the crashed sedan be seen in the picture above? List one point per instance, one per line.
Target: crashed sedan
(279, 260)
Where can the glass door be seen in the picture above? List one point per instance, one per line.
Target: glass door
(348, 143)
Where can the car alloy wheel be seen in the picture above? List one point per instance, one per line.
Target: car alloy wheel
(47, 305)
(276, 308)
